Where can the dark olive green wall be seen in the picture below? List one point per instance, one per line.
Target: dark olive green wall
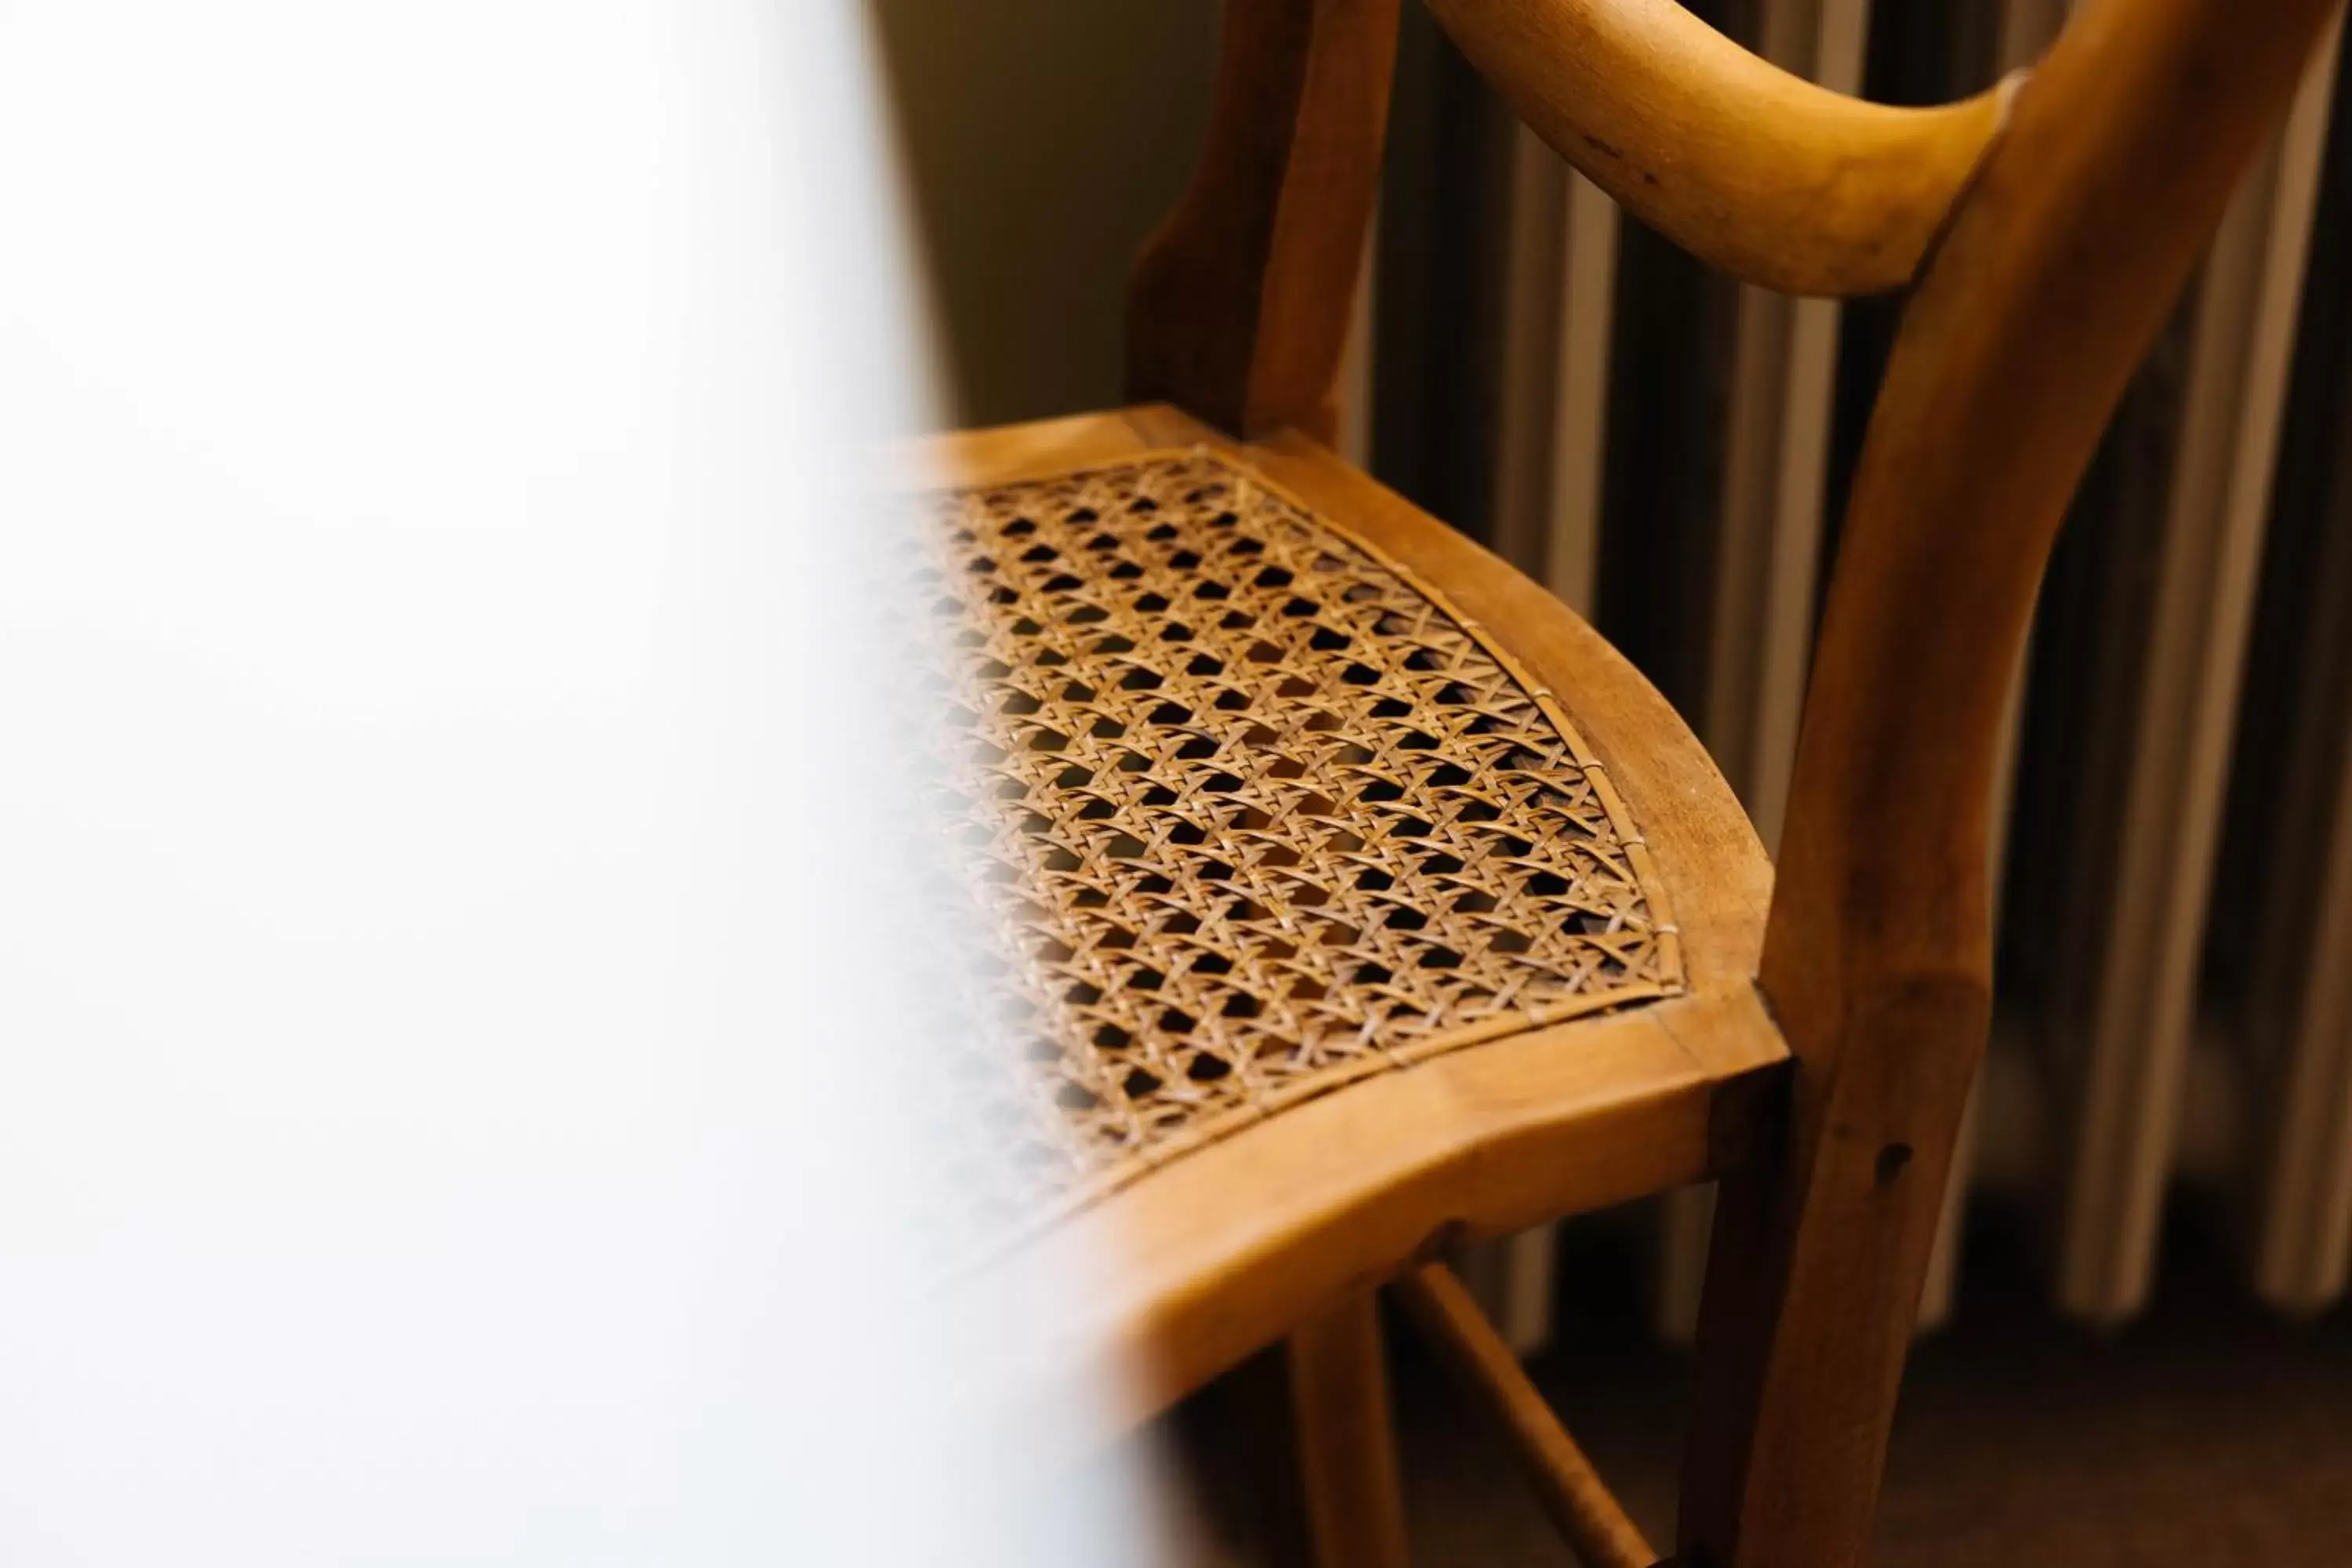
(1043, 139)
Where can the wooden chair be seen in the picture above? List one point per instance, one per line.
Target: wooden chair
(1364, 902)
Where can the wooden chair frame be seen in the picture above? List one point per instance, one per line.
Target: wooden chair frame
(2040, 231)
(2043, 231)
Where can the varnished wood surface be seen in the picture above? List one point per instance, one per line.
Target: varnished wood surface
(2053, 276)
(1233, 1246)
(1757, 171)
(1239, 305)
(1347, 1440)
(1571, 1491)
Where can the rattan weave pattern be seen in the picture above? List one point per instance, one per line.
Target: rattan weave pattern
(1249, 815)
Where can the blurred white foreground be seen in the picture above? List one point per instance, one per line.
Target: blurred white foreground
(437, 960)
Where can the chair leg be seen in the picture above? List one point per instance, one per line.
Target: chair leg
(1347, 1444)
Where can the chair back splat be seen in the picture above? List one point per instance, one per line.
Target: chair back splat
(1238, 309)
(2043, 231)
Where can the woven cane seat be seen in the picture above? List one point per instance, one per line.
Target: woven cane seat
(1251, 815)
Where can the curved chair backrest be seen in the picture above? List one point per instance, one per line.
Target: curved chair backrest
(2043, 231)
